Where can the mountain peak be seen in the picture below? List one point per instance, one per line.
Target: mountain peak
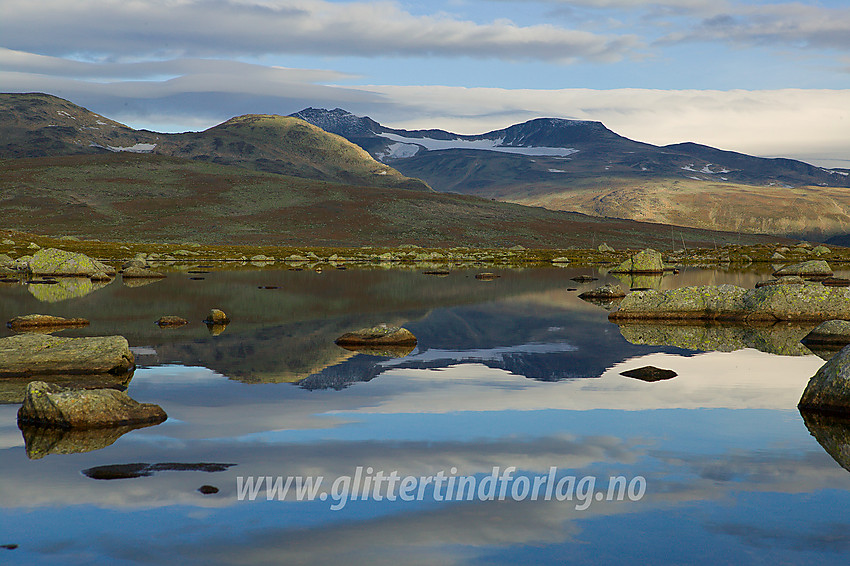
(339, 121)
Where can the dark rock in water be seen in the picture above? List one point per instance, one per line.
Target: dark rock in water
(197, 278)
(811, 268)
(171, 321)
(583, 278)
(141, 273)
(486, 276)
(381, 335)
(208, 489)
(650, 374)
(129, 471)
(571, 289)
(37, 354)
(35, 321)
(835, 282)
(646, 261)
(217, 316)
(835, 332)
(51, 405)
(606, 292)
(8, 546)
(268, 287)
(42, 441)
(832, 432)
(829, 389)
(436, 272)
(787, 280)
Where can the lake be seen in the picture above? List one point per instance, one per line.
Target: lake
(508, 435)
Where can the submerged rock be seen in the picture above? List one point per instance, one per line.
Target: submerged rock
(829, 389)
(44, 321)
(381, 335)
(37, 354)
(813, 268)
(650, 374)
(728, 302)
(51, 405)
(647, 261)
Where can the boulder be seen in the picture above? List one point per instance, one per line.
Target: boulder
(647, 261)
(44, 321)
(728, 302)
(141, 273)
(829, 389)
(61, 263)
(51, 405)
(216, 316)
(831, 332)
(486, 276)
(37, 354)
(787, 280)
(171, 321)
(605, 248)
(608, 292)
(381, 335)
(820, 250)
(813, 268)
(650, 374)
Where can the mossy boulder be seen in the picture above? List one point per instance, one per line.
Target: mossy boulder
(217, 316)
(39, 354)
(646, 261)
(813, 268)
(381, 335)
(829, 389)
(831, 332)
(44, 321)
(61, 263)
(51, 405)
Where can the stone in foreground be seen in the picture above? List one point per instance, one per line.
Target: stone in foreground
(381, 335)
(814, 268)
(51, 405)
(831, 332)
(650, 374)
(39, 321)
(647, 261)
(38, 354)
(829, 389)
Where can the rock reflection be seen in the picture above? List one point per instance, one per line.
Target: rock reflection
(781, 339)
(65, 288)
(13, 389)
(41, 441)
(639, 281)
(832, 432)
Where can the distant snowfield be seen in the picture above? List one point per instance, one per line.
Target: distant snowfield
(407, 147)
(138, 148)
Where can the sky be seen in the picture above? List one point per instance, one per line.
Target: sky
(765, 77)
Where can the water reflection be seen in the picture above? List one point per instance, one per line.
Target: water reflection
(41, 441)
(65, 288)
(833, 433)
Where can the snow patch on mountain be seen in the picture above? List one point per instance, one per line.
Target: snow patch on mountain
(399, 151)
(138, 148)
(432, 144)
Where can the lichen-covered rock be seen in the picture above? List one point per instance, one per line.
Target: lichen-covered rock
(786, 280)
(38, 354)
(608, 291)
(141, 273)
(813, 268)
(728, 302)
(378, 335)
(605, 248)
(34, 321)
(51, 405)
(61, 263)
(832, 332)
(820, 250)
(171, 321)
(217, 316)
(829, 388)
(647, 261)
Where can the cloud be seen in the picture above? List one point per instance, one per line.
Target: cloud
(110, 29)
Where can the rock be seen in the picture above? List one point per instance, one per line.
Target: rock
(217, 316)
(33, 246)
(821, 250)
(647, 261)
(777, 257)
(60, 263)
(8, 242)
(100, 276)
(813, 268)
(835, 282)
(208, 489)
(41, 441)
(831, 332)
(143, 470)
(135, 262)
(650, 374)
(787, 280)
(728, 302)
(608, 291)
(517, 248)
(37, 354)
(141, 273)
(605, 248)
(51, 405)
(486, 276)
(171, 321)
(804, 245)
(561, 260)
(261, 257)
(381, 335)
(33, 321)
(583, 278)
(829, 389)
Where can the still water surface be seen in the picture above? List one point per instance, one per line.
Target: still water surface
(514, 373)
